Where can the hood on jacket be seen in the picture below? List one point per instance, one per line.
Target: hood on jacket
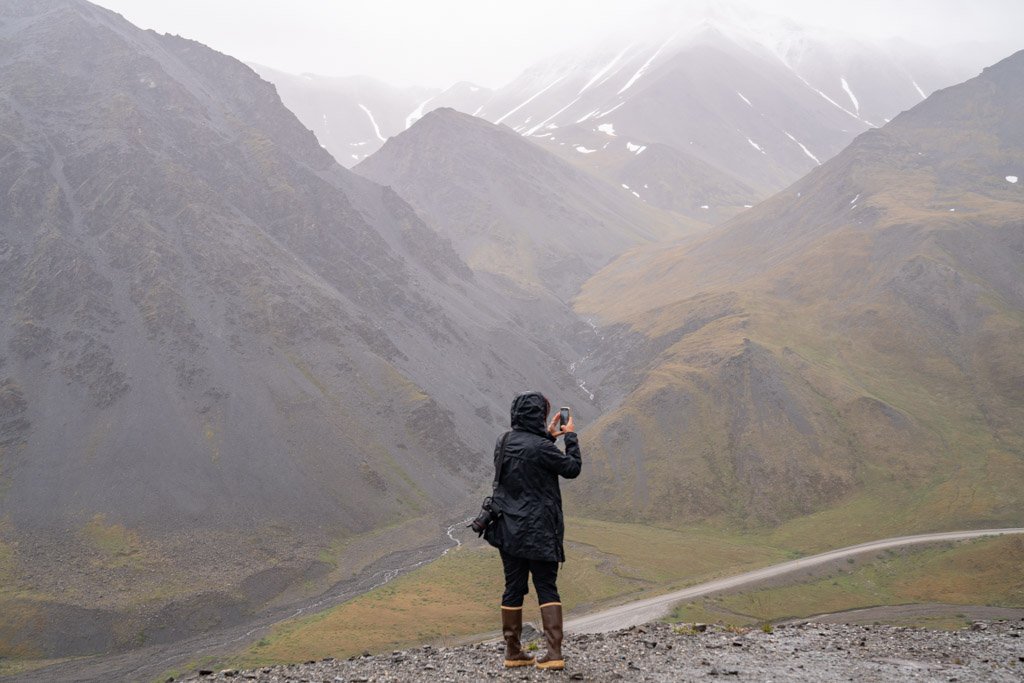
(530, 413)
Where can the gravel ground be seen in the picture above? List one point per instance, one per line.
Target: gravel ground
(988, 651)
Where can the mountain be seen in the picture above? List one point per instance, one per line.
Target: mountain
(846, 355)
(216, 342)
(511, 208)
(659, 175)
(712, 111)
(352, 116)
(759, 99)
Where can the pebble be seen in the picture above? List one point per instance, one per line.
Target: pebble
(812, 652)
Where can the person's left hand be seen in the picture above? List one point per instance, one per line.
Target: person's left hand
(556, 430)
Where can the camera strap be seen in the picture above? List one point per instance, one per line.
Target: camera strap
(501, 459)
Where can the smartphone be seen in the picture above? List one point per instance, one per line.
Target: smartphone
(563, 415)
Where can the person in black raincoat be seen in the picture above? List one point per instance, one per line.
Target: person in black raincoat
(530, 531)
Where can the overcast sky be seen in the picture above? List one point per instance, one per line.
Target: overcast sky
(439, 42)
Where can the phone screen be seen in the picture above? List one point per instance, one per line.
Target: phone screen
(563, 416)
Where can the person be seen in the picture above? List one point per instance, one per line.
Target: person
(530, 531)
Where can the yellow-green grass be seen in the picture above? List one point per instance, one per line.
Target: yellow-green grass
(839, 336)
(117, 545)
(980, 572)
(946, 469)
(15, 667)
(459, 594)
(673, 557)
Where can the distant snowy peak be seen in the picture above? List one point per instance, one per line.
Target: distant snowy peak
(353, 116)
(761, 98)
(463, 96)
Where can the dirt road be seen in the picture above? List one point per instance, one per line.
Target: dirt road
(146, 663)
(643, 611)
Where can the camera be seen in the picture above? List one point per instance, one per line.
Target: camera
(488, 515)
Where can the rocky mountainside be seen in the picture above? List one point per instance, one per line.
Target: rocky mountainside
(756, 97)
(989, 651)
(849, 349)
(353, 116)
(214, 337)
(511, 208)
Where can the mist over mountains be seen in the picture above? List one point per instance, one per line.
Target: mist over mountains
(254, 316)
(704, 116)
(353, 116)
(510, 208)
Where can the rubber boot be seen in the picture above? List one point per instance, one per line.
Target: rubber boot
(511, 629)
(551, 616)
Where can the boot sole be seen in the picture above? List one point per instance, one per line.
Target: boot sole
(513, 663)
(554, 665)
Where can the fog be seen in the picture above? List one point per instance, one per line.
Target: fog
(489, 43)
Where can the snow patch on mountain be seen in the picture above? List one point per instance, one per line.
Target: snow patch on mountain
(607, 129)
(642, 69)
(635, 149)
(531, 98)
(829, 99)
(919, 91)
(806, 151)
(1011, 179)
(744, 98)
(853, 98)
(584, 150)
(601, 116)
(416, 114)
(605, 70)
(376, 128)
(756, 146)
(542, 123)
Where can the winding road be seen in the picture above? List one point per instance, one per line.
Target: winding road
(146, 663)
(643, 611)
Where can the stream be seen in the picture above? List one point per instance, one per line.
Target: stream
(148, 662)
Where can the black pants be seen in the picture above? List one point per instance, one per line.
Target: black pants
(517, 571)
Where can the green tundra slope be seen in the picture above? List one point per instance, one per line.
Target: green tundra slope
(843, 361)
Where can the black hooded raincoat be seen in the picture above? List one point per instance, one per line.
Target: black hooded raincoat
(531, 525)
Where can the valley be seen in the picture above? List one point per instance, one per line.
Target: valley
(260, 331)
(618, 566)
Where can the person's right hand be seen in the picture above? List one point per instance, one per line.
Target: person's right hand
(556, 430)
(570, 426)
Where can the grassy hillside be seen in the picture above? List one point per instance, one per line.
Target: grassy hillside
(844, 360)
(608, 563)
(459, 594)
(982, 572)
